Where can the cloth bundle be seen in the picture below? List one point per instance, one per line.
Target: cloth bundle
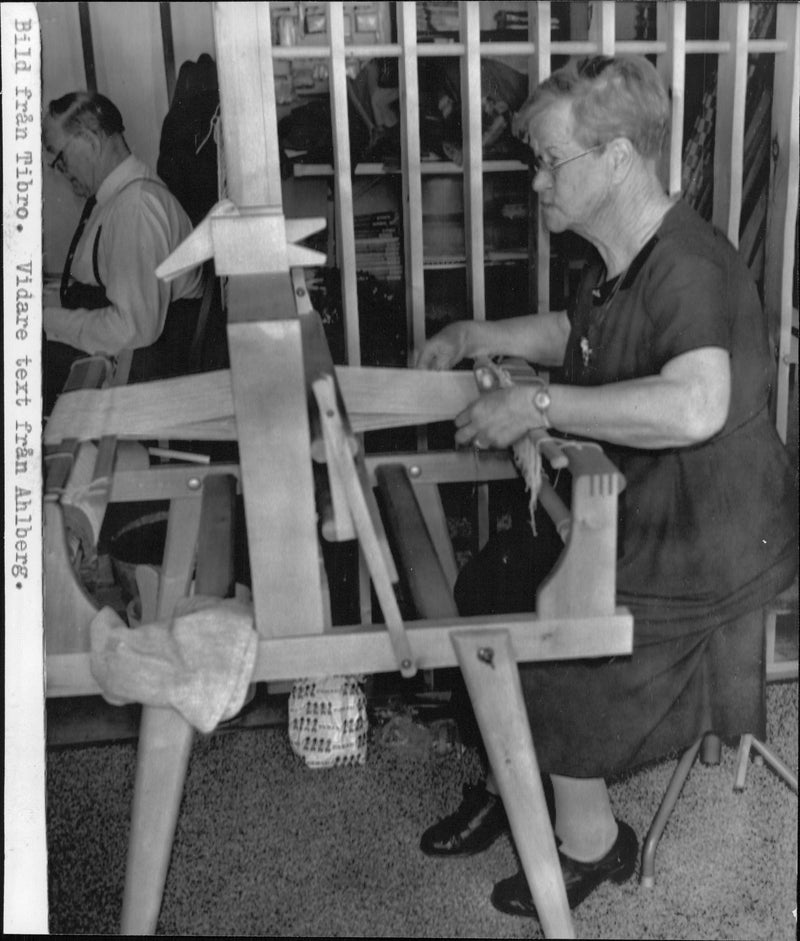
(200, 661)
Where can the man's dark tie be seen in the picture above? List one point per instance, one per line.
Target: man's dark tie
(87, 211)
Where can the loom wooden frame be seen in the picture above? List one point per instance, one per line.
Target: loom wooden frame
(296, 637)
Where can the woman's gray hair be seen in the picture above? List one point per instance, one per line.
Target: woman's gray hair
(611, 97)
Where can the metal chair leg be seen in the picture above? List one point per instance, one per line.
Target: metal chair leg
(745, 744)
(711, 750)
(679, 776)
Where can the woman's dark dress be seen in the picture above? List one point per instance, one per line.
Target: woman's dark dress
(707, 534)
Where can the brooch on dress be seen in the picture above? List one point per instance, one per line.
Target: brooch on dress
(586, 351)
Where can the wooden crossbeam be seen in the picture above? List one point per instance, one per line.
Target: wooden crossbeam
(367, 648)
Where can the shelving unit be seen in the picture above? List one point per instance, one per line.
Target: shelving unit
(539, 37)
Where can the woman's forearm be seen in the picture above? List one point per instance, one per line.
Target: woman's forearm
(537, 338)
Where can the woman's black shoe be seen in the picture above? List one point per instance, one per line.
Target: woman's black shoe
(513, 897)
(477, 823)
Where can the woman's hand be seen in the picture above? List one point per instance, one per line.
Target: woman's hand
(447, 348)
(498, 419)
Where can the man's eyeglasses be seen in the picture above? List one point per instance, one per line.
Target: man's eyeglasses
(540, 165)
(58, 163)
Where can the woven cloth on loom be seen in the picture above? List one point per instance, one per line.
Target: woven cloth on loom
(201, 407)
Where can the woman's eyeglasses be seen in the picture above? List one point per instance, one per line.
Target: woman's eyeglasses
(540, 165)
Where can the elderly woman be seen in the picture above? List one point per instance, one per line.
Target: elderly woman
(664, 359)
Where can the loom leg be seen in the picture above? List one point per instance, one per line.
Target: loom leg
(679, 776)
(165, 737)
(165, 743)
(492, 678)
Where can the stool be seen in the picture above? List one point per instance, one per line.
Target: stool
(709, 745)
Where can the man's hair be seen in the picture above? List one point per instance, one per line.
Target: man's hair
(86, 110)
(611, 97)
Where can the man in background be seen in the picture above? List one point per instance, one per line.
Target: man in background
(110, 300)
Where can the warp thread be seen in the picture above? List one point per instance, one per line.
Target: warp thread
(527, 454)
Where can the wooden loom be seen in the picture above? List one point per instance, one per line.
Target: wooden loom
(288, 406)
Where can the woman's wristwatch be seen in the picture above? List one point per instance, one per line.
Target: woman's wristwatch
(541, 401)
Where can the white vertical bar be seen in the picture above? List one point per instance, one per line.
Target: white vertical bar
(247, 97)
(25, 909)
(412, 175)
(473, 157)
(345, 231)
(671, 27)
(539, 31)
(780, 258)
(266, 357)
(602, 25)
(729, 134)
(473, 191)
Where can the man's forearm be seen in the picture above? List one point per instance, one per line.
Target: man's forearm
(94, 331)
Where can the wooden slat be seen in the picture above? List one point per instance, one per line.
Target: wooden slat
(163, 481)
(368, 648)
(317, 363)
(499, 50)
(247, 103)
(430, 590)
(729, 127)
(671, 25)
(274, 443)
(412, 175)
(471, 120)
(368, 526)
(440, 467)
(323, 51)
(345, 232)
(265, 346)
(216, 544)
(602, 25)
(539, 27)
(780, 259)
(635, 47)
(430, 505)
(472, 149)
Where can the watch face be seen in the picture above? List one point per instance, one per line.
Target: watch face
(542, 400)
